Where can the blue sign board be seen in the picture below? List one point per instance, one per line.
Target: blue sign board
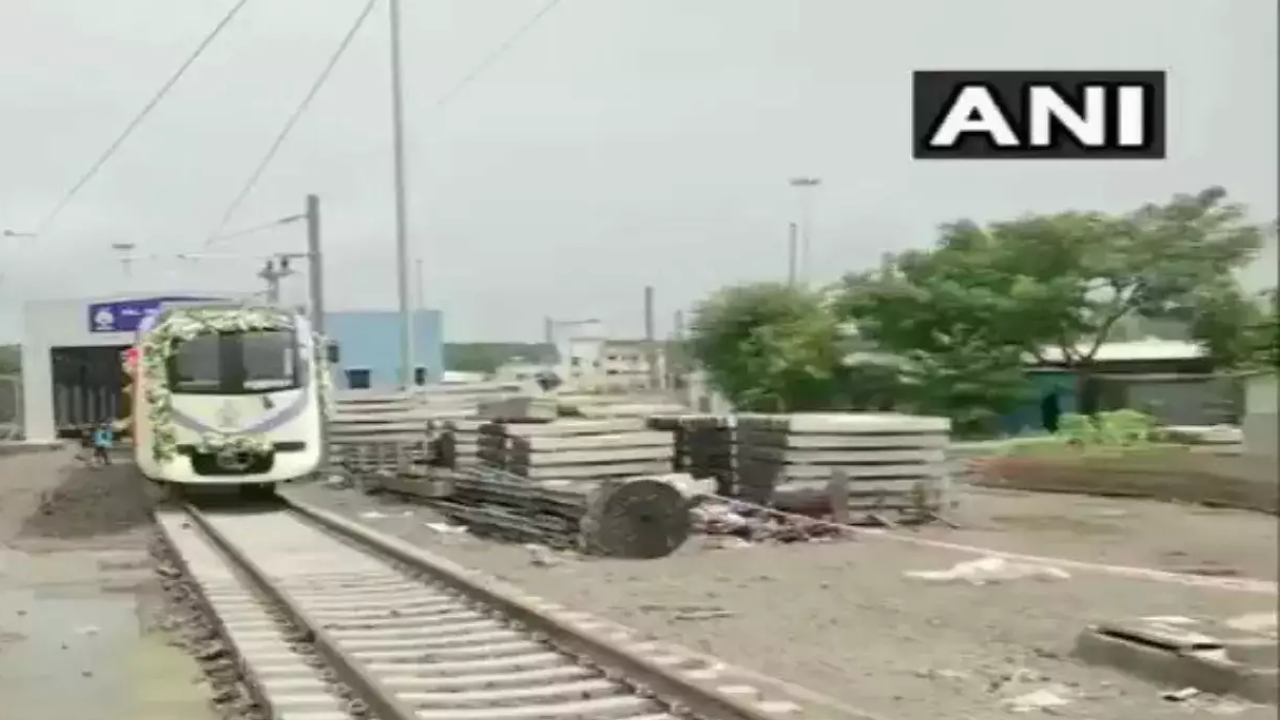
(126, 315)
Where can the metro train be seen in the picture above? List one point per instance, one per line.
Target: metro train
(227, 395)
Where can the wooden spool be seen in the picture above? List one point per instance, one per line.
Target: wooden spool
(638, 518)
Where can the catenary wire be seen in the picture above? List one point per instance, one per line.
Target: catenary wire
(289, 124)
(137, 120)
(496, 54)
(253, 229)
(476, 72)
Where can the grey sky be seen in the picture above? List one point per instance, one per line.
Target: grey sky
(622, 142)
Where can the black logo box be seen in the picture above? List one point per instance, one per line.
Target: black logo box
(933, 91)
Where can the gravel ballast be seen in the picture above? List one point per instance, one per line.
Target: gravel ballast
(841, 618)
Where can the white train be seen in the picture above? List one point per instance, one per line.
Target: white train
(228, 395)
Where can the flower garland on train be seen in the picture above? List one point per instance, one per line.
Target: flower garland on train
(158, 348)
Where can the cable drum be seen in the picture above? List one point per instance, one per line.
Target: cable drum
(639, 518)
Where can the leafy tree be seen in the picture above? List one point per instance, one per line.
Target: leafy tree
(1264, 334)
(936, 314)
(1225, 320)
(1074, 276)
(488, 357)
(768, 347)
(984, 297)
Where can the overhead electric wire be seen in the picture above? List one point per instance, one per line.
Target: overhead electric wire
(496, 54)
(474, 74)
(133, 125)
(289, 124)
(257, 228)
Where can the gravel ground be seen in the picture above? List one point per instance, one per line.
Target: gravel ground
(1166, 536)
(842, 619)
(83, 502)
(55, 507)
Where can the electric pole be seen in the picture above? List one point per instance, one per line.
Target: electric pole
(403, 270)
(805, 186)
(650, 341)
(793, 233)
(316, 259)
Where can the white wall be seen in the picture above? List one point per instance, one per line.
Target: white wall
(48, 324)
(1260, 426)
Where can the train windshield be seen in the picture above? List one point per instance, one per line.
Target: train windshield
(235, 363)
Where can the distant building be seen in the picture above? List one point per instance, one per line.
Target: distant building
(1170, 379)
(520, 370)
(369, 348)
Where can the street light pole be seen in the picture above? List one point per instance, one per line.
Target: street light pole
(126, 259)
(805, 186)
(402, 221)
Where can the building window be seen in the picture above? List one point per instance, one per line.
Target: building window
(358, 378)
(419, 375)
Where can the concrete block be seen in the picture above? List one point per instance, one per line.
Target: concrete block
(1187, 652)
(582, 472)
(557, 443)
(576, 427)
(841, 457)
(776, 438)
(517, 458)
(845, 423)
(853, 472)
(521, 409)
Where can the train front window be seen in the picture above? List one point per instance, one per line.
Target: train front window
(236, 363)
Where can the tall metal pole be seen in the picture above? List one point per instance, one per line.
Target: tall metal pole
(316, 258)
(805, 186)
(793, 238)
(315, 277)
(402, 219)
(651, 343)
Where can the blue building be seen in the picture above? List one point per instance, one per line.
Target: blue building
(369, 347)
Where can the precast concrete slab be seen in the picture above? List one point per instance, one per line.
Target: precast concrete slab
(1236, 656)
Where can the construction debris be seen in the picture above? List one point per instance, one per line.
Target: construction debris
(753, 523)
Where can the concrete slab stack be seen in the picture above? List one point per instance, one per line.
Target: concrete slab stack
(577, 450)
(369, 434)
(466, 442)
(892, 464)
(704, 447)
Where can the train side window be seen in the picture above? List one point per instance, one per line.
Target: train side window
(419, 375)
(358, 378)
(334, 354)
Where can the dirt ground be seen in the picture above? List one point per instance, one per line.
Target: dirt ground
(86, 502)
(84, 625)
(1121, 531)
(843, 620)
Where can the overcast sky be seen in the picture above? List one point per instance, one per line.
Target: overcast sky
(621, 143)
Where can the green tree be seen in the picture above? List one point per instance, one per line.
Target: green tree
(943, 315)
(1075, 276)
(986, 297)
(1226, 320)
(768, 347)
(486, 357)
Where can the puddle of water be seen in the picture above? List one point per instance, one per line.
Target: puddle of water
(56, 671)
(72, 644)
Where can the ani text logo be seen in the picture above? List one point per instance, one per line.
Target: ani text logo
(1006, 115)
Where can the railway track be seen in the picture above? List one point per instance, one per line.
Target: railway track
(330, 620)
